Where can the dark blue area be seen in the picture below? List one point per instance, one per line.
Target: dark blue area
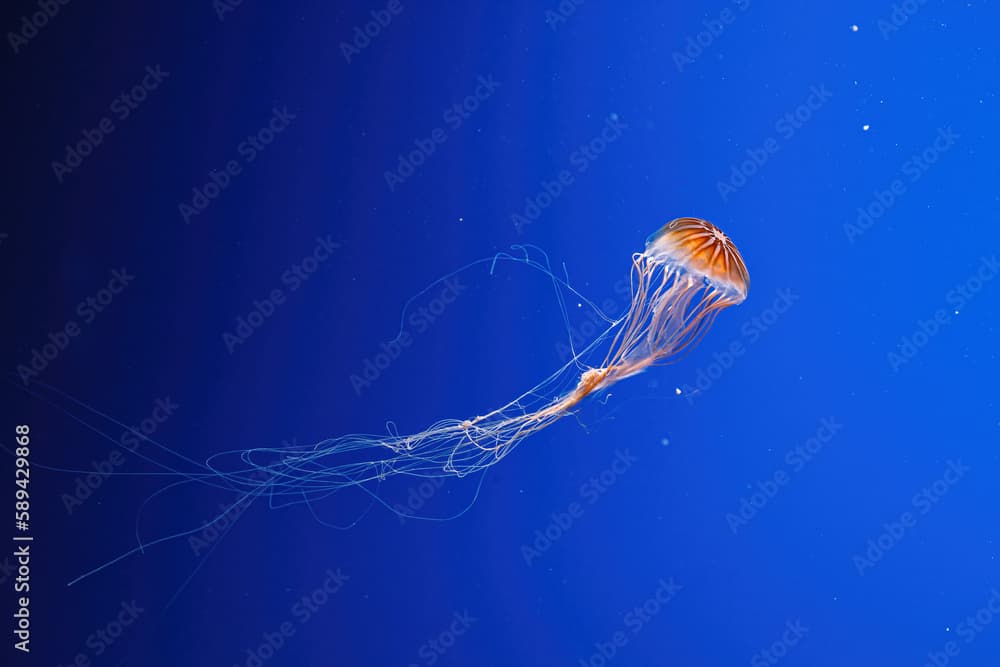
(814, 485)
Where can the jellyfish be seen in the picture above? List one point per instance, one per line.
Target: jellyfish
(688, 272)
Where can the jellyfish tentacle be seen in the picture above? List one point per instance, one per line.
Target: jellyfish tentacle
(687, 274)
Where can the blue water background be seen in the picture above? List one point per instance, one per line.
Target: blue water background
(834, 296)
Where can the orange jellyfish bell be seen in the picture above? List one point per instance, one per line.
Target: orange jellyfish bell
(701, 248)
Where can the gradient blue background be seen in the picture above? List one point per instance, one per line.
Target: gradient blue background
(666, 516)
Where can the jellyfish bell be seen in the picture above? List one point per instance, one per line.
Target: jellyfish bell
(703, 250)
(688, 272)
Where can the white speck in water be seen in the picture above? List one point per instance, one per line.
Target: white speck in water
(866, 127)
(854, 28)
(677, 391)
